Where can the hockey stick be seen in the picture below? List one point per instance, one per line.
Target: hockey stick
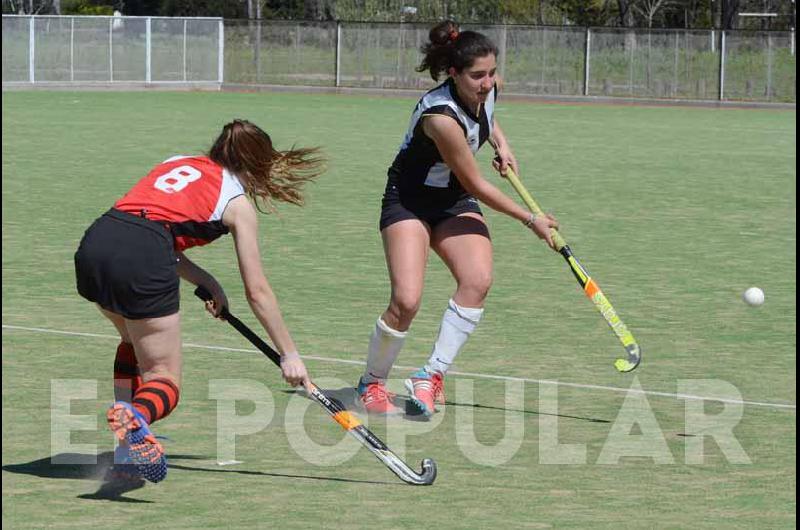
(590, 287)
(343, 417)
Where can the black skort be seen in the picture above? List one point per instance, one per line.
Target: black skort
(431, 205)
(127, 264)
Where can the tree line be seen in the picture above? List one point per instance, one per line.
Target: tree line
(691, 14)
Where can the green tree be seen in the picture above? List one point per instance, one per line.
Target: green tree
(202, 8)
(585, 13)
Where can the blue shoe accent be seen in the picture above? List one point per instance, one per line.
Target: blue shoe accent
(121, 455)
(154, 472)
(362, 387)
(137, 435)
(421, 374)
(143, 450)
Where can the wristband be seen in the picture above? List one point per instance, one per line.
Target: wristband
(529, 221)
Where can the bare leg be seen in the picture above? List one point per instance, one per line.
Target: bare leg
(464, 245)
(157, 346)
(406, 246)
(119, 323)
(157, 342)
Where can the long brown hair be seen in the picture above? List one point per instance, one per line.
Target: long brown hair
(267, 174)
(449, 47)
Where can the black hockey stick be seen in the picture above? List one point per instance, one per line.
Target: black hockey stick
(342, 416)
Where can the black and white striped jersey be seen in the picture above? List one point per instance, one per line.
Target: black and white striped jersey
(418, 168)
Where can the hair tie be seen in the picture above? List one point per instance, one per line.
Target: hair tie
(453, 35)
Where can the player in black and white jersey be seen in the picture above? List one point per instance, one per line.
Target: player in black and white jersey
(431, 201)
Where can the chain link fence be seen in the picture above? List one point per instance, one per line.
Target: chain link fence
(58, 49)
(533, 60)
(659, 63)
(280, 53)
(16, 42)
(759, 66)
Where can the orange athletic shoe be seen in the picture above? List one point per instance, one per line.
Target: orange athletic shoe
(438, 391)
(376, 399)
(425, 390)
(144, 451)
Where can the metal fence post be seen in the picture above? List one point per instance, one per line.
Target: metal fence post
(148, 42)
(674, 88)
(769, 67)
(258, 50)
(400, 46)
(221, 53)
(110, 49)
(72, 49)
(502, 50)
(722, 65)
(338, 65)
(586, 58)
(631, 43)
(184, 50)
(31, 50)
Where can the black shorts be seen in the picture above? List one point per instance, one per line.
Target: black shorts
(432, 206)
(127, 265)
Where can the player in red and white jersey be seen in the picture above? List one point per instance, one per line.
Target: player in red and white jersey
(187, 193)
(130, 260)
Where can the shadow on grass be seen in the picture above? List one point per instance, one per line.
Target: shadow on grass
(536, 412)
(280, 475)
(90, 467)
(348, 398)
(87, 467)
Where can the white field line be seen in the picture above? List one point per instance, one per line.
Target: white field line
(465, 374)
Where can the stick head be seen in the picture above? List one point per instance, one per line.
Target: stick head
(428, 474)
(633, 360)
(398, 467)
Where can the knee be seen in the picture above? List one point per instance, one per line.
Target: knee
(476, 287)
(403, 308)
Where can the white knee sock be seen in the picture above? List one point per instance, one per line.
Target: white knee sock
(384, 346)
(458, 323)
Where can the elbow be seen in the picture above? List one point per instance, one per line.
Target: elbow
(470, 185)
(258, 294)
(476, 189)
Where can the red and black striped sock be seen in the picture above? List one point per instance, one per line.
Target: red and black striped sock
(126, 373)
(156, 398)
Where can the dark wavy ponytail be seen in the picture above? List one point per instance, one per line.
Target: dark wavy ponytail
(448, 47)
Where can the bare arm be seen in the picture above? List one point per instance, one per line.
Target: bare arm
(193, 273)
(452, 145)
(240, 217)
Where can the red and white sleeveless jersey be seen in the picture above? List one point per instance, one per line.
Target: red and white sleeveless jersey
(188, 194)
